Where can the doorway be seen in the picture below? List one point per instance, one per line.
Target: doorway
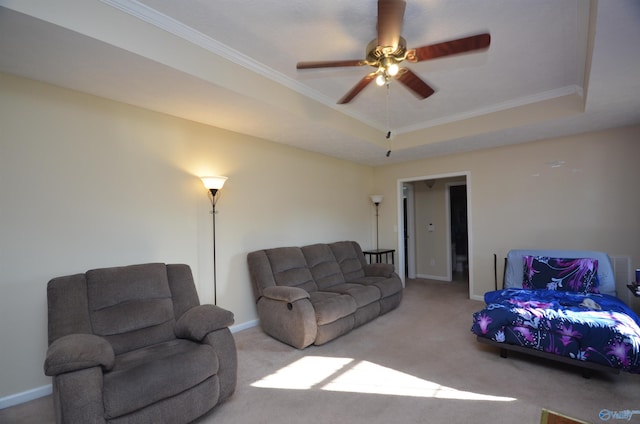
(456, 247)
(458, 230)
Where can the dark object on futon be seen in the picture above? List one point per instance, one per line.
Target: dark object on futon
(313, 294)
(133, 344)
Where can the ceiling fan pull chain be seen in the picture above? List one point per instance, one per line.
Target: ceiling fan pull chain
(388, 121)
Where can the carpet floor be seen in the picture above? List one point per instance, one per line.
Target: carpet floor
(417, 364)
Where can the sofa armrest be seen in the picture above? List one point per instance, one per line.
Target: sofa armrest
(285, 293)
(379, 270)
(201, 320)
(288, 315)
(223, 343)
(75, 352)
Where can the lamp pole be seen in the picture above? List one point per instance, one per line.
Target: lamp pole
(213, 184)
(215, 268)
(377, 199)
(377, 245)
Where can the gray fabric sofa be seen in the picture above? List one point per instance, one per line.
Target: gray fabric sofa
(132, 344)
(313, 294)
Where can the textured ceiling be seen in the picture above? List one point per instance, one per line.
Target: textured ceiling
(554, 68)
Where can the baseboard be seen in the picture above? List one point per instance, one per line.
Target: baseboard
(434, 277)
(26, 396)
(38, 392)
(244, 326)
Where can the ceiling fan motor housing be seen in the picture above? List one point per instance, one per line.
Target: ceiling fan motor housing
(376, 53)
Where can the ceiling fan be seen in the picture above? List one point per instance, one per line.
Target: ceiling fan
(389, 49)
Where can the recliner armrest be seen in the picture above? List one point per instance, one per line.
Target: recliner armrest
(75, 352)
(285, 293)
(379, 270)
(201, 320)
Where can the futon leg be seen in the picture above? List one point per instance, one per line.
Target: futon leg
(503, 353)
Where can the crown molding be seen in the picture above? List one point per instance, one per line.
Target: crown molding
(191, 35)
(498, 107)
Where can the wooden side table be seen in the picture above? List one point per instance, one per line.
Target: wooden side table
(377, 255)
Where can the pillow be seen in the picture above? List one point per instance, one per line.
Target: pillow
(578, 275)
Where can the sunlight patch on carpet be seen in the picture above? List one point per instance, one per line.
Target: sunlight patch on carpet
(303, 374)
(350, 375)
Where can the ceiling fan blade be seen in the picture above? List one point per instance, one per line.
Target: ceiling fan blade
(421, 89)
(447, 48)
(357, 88)
(390, 16)
(330, 64)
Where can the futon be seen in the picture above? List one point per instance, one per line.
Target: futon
(561, 305)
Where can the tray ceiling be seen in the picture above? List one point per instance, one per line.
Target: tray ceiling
(554, 68)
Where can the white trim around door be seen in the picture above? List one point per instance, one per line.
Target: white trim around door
(402, 255)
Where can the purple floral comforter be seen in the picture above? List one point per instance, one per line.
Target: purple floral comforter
(600, 329)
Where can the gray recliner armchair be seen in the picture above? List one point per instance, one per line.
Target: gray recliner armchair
(133, 344)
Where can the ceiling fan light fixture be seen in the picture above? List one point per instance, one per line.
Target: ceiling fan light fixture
(392, 70)
(381, 79)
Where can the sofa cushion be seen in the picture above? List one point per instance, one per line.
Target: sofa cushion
(379, 270)
(289, 268)
(183, 290)
(323, 265)
(362, 294)
(334, 329)
(131, 305)
(330, 307)
(151, 374)
(350, 259)
(387, 286)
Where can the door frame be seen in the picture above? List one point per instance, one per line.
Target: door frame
(402, 255)
(410, 254)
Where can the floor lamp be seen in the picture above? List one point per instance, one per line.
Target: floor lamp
(377, 199)
(214, 184)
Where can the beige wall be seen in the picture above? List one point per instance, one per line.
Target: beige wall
(519, 201)
(86, 182)
(430, 245)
